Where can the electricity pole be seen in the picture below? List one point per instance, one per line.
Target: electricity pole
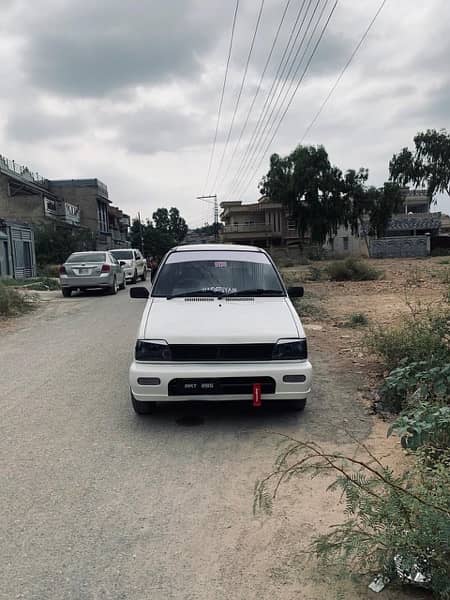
(213, 200)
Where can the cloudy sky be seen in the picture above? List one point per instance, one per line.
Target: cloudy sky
(128, 92)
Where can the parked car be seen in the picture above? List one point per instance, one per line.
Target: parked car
(90, 270)
(134, 264)
(219, 325)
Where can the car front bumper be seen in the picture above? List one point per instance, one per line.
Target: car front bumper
(166, 372)
(99, 281)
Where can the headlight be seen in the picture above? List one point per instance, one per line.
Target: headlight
(152, 351)
(290, 350)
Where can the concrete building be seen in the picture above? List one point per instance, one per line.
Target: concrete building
(26, 196)
(263, 223)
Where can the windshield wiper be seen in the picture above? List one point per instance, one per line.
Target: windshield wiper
(254, 292)
(195, 293)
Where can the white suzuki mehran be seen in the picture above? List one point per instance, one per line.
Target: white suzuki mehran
(219, 325)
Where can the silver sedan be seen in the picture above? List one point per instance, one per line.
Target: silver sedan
(90, 270)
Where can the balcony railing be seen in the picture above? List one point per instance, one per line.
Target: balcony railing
(248, 228)
(16, 169)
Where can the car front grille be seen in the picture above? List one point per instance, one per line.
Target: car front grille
(221, 352)
(221, 386)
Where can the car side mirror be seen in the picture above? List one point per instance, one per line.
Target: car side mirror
(139, 292)
(122, 263)
(295, 292)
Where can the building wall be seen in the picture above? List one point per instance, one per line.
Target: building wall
(84, 197)
(20, 206)
(399, 247)
(345, 243)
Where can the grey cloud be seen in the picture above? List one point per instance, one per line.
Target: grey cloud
(92, 50)
(148, 131)
(33, 125)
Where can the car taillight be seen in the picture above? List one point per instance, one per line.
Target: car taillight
(62, 270)
(106, 268)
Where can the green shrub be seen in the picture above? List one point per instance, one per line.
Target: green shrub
(13, 303)
(352, 269)
(314, 273)
(357, 320)
(417, 338)
(389, 516)
(413, 382)
(424, 424)
(48, 271)
(40, 284)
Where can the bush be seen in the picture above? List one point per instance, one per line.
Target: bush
(13, 303)
(391, 518)
(48, 271)
(418, 338)
(40, 284)
(352, 269)
(357, 320)
(416, 382)
(314, 273)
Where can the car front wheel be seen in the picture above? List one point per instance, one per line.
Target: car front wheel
(142, 408)
(123, 284)
(135, 277)
(298, 405)
(66, 292)
(144, 275)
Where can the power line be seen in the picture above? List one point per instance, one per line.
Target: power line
(273, 89)
(278, 106)
(341, 74)
(269, 57)
(219, 113)
(293, 95)
(244, 77)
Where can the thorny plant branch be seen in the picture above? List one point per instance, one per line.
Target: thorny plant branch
(317, 452)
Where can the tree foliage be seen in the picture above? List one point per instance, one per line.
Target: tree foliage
(55, 242)
(428, 165)
(166, 230)
(321, 198)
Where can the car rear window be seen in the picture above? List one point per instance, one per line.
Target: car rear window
(87, 257)
(122, 254)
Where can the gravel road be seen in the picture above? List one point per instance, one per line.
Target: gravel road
(97, 503)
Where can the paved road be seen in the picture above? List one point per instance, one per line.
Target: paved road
(97, 503)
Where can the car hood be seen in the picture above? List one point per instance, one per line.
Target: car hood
(213, 321)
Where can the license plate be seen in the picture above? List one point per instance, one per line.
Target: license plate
(199, 387)
(83, 271)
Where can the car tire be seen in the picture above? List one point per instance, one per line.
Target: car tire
(142, 408)
(135, 277)
(297, 405)
(144, 275)
(123, 284)
(113, 289)
(66, 292)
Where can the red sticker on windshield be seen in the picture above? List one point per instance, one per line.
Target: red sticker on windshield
(220, 265)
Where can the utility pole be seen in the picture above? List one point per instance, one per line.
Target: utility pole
(140, 232)
(213, 200)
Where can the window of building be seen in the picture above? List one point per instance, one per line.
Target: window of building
(291, 225)
(345, 242)
(102, 215)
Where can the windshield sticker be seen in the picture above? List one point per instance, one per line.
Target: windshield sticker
(220, 290)
(220, 264)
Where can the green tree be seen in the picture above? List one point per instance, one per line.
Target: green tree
(428, 165)
(161, 219)
(55, 242)
(177, 225)
(321, 198)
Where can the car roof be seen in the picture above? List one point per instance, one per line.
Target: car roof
(210, 247)
(123, 249)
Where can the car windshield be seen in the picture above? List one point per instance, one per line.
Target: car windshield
(84, 257)
(214, 273)
(122, 254)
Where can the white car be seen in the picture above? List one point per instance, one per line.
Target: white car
(133, 263)
(219, 325)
